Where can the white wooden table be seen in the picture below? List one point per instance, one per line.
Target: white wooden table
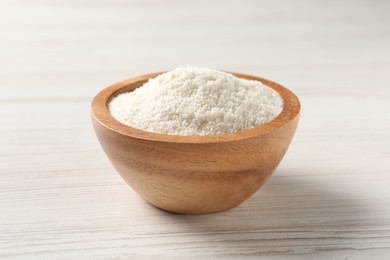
(61, 199)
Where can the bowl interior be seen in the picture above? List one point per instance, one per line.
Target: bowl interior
(291, 109)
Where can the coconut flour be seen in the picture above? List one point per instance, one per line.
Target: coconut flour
(196, 101)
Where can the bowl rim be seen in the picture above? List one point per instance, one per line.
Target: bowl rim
(99, 111)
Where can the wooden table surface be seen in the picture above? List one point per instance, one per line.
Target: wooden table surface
(61, 199)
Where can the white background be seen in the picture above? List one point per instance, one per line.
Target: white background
(59, 196)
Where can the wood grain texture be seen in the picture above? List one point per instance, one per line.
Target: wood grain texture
(60, 197)
(194, 174)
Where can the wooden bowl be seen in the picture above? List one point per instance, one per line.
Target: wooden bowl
(194, 174)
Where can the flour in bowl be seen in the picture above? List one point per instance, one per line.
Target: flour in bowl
(196, 101)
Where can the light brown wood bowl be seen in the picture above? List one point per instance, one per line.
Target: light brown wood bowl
(194, 174)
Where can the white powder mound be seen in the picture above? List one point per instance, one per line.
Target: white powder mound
(196, 101)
